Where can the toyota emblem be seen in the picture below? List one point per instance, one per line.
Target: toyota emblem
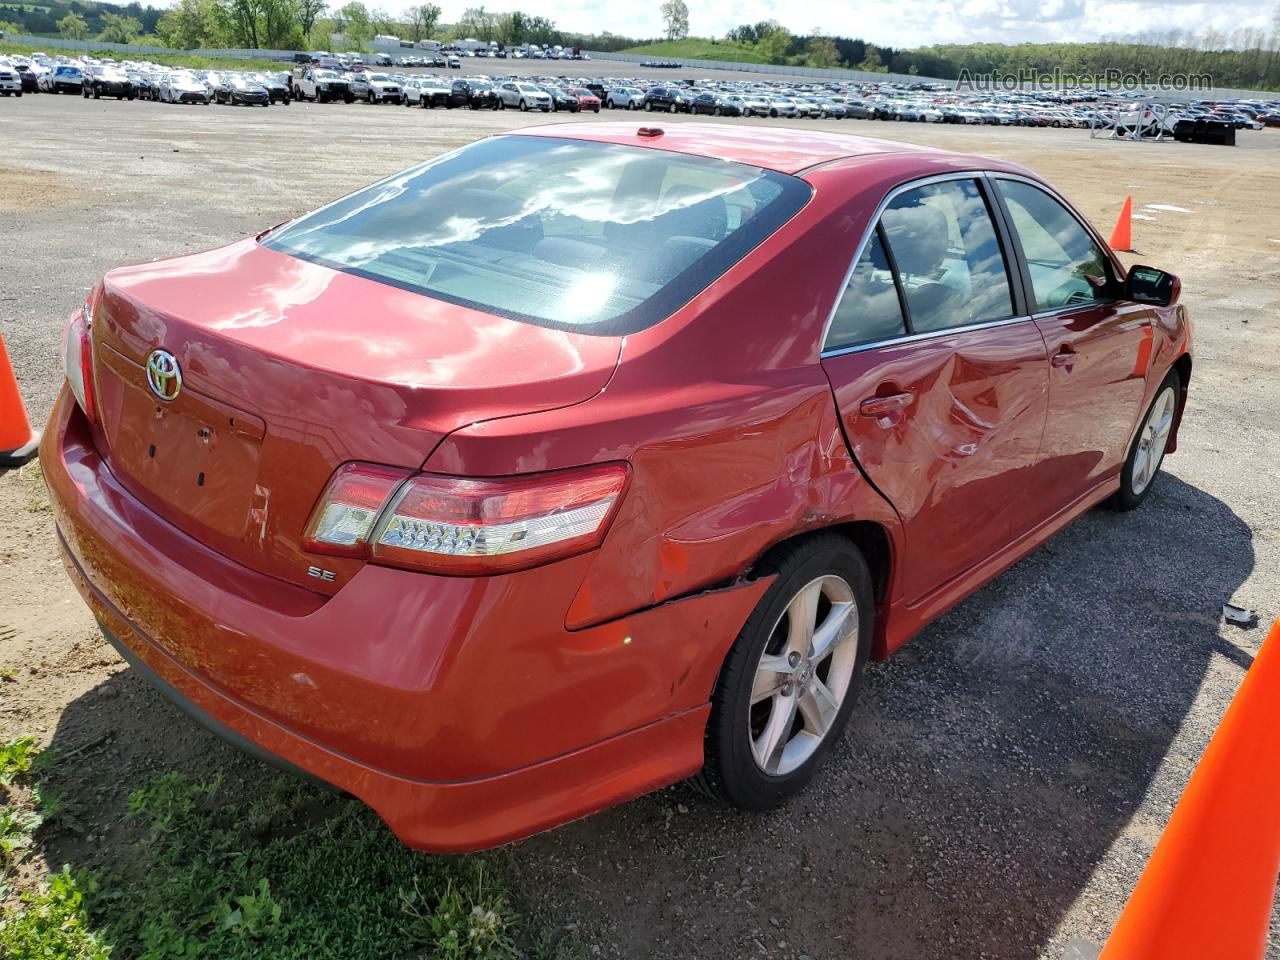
(164, 376)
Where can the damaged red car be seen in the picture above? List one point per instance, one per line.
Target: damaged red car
(589, 458)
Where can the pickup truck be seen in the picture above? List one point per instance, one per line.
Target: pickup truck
(322, 85)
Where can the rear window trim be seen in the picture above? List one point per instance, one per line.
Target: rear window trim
(672, 297)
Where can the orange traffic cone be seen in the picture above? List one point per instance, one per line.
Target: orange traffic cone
(1122, 235)
(18, 443)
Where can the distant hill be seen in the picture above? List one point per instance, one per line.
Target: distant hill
(41, 19)
(696, 48)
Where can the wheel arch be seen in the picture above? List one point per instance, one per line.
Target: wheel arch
(1182, 366)
(873, 541)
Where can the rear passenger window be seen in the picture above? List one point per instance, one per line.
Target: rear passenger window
(948, 257)
(869, 310)
(1066, 265)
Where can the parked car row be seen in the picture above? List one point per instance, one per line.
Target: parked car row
(345, 78)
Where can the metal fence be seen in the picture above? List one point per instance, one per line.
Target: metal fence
(860, 76)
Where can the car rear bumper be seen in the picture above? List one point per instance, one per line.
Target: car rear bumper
(460, 709)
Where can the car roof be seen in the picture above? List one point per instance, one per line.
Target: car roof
(786, 151)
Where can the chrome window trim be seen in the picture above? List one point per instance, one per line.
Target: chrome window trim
(926, 335)
(824, 351)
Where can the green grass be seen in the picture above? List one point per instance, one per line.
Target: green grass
(286, 873)
(171, 60)
(696, 48)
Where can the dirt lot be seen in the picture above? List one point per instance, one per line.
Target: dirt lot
(1006, 774)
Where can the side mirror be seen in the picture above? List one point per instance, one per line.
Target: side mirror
(1149, 285)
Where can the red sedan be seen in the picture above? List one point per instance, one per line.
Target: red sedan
(586, 99)
(590, 458)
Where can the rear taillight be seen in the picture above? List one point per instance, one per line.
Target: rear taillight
(343, 519)
(464, 526)
(77, 360)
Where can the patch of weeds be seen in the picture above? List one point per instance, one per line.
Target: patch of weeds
(461, 921)
(57, 811)
(169, 801)
(53, 924)
(16, 757)
(285, 872)
(17, 826)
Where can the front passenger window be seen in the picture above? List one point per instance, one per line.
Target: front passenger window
(1067, 266)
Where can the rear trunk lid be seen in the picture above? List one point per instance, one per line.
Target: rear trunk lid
(290, 369)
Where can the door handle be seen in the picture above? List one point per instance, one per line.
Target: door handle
(880, 406)
(1063, 358)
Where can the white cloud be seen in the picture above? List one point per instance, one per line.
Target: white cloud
(906, 23)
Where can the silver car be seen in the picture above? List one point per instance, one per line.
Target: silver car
(624, 98)
(515, 93)
(376, 87)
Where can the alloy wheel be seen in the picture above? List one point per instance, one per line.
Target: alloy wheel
(1153, 439)
(803, 675)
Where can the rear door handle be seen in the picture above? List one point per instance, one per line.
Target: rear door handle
(1063, 358)
(880, 406)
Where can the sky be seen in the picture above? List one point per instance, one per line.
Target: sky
(899, 23)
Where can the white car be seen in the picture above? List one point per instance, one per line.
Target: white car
(376, 88)
(425, 92)
(10, 79)
(624, 98)
(783, 107)
(526, 96)
(184, 88)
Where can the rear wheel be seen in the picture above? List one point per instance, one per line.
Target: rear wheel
(787, 687)
(1147, 451)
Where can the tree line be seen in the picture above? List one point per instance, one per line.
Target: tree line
(1243, 58)
(284, 24)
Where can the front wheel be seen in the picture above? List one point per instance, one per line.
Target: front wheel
(1147, 451)
(787, 687)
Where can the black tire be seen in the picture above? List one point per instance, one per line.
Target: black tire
(524, 106)
(1127, 498)
(730, 772)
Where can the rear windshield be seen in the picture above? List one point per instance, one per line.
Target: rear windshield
(594, 237)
